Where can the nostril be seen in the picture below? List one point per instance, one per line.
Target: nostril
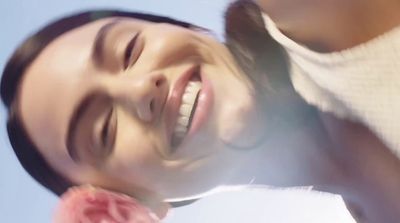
(159, 83)
(152, 105)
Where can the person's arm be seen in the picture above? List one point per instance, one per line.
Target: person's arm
(375, 186)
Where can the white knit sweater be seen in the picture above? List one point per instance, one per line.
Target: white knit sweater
(361, 83)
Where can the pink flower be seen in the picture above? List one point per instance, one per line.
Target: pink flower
(88, 204)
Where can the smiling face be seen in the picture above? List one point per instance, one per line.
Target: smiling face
(139, 106)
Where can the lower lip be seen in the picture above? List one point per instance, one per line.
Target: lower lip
(204, 104)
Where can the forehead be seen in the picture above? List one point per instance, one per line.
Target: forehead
(52, 84)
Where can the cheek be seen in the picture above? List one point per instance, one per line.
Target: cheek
(135, 165)
(135, 151)
(169, 46)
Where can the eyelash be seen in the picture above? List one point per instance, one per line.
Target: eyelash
(130, 48)
(107, 140)
(106, 129)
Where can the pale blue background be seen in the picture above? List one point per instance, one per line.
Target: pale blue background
(22, 200)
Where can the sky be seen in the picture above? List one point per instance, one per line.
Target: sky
(23, 200)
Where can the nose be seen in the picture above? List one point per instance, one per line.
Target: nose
(143, 94)
(169, 45)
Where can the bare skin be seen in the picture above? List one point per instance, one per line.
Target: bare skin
(292, 158)
(373, 195)
(142, 163)
(373, 188)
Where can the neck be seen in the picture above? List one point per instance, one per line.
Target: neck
(301, 157)
(298, 154)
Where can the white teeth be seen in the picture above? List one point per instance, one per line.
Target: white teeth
(180, 129)
(188, 100)
(195, 85)
(185, 110)
(183, 120)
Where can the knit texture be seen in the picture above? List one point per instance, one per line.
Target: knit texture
(361, 83)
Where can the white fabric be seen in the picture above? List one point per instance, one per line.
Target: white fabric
(361, 83)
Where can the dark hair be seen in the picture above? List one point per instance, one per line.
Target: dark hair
(265, 63)
(251, 45)
(257, 53)
(25, 150)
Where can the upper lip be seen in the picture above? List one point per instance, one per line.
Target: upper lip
(175, 98)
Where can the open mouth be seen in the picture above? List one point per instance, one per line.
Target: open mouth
(187, 109)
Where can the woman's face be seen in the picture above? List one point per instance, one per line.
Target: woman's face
(125, 103)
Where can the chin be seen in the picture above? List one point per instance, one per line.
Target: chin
(241, 125)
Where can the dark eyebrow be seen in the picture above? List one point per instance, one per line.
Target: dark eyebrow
(98, 45)
(80, 110)
(76, 117)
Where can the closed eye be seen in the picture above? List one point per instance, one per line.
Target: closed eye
(107, 134)
(105, 130)
(131, 52)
